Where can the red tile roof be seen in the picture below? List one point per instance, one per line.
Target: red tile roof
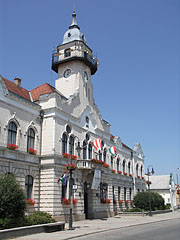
(124, 145)
(11, 86)
(42, 89)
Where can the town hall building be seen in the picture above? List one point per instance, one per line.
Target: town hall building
(44, 130)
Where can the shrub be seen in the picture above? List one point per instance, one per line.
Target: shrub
(133, 210)
(39, 218)
(141, 200)
(12, 198)
(12, 222)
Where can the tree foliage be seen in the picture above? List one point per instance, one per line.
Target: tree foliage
(12, 198)
(141, 200)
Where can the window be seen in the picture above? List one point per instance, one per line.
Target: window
(111, 162)
(113, 193)
(124, 166)
(12, 132)
(124, 194)
(119, 193)
(103, 191)
(129, 168)
(104, 155)
(117, 164)
(64, 187)
(30, 139)
(67, 52)
(141, 171)
(68, 129)
(89, 151)
(130, 194)
(84, 149)
(64, 143)
(100, 155)
(71, 145)
(28, 186)
(136, 169)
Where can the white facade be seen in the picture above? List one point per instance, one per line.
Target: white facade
(165, 186)
(69, 112)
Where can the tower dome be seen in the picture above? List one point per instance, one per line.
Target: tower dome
(73, 33)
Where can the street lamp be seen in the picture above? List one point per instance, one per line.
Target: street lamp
(149, 173)
(71, 182)
(178, 185)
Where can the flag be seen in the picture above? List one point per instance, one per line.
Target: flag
(62, 177)
(97, 144)
(113, 152)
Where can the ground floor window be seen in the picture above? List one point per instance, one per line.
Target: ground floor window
(103, 191)
(28, 186)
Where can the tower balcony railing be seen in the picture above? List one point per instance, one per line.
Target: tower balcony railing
(76, 54)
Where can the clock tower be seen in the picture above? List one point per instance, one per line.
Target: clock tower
(74, 63)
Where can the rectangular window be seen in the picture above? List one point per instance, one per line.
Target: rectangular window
(119, 193)
(124, 194)
(103, 191)
(130, 194)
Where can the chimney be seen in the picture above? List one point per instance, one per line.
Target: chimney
(17, 81)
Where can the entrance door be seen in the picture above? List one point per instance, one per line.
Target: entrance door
(86, 200)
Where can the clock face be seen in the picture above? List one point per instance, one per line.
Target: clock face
(67, 73)
(85, 76)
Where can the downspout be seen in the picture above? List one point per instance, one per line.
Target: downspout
(41, 115)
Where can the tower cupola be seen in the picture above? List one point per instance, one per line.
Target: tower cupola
(73, 33)
(74, 48)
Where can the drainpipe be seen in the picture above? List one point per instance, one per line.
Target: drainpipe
(41, 115)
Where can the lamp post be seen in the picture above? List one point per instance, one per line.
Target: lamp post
(149, 173)
(70, 191)
(71, 181)
(178, 185)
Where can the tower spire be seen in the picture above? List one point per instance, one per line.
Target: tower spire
(74, 22)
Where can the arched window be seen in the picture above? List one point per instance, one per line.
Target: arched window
(111, 162)
(141, 171)
(12, 132)
(89, 151)
(84, 149)
(124, 166)
(28, 186)
(104, 155)
(30, 138)
(129, 168)
(64, 143)
(71, 145)
(100, 155)
(117, 164)
(137, 169)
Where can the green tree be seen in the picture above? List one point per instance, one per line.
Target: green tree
(12, 198)
(141, 200)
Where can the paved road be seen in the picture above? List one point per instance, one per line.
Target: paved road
(117, 226)
(165, 230)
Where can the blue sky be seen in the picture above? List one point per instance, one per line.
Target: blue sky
(137, 43)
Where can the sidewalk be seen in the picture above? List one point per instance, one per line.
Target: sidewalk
(87, 227)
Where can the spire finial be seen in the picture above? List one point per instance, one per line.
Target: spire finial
(74, 22)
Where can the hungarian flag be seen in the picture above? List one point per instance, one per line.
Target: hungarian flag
(97, 144)
(113, 152)
(62, 177)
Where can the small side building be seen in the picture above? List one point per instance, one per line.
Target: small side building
(165, 186)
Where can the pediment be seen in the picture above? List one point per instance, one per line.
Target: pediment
(138, 150)
(3, 88)
(117, 142)
(87, 119)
